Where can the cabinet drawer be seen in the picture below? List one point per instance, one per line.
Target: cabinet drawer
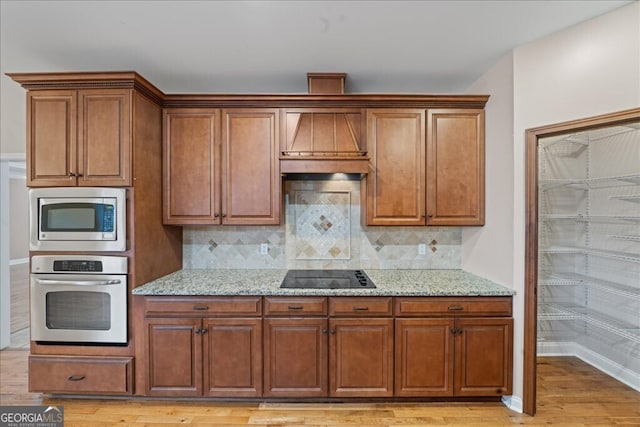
(202, 306)
(307, 306)
(436, 306)
(75, 375)
(361, 306)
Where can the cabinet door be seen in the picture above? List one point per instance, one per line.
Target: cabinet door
(361, 361)
(455, 167)
(104, 137)
(396, 185)
(51, 138)
(174, 355)
(233, 357)
(250, 167)
(191, 167)
(424, 357)
(484, 356)
(295, 357)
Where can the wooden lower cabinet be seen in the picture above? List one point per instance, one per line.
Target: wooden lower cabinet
(232, 357)
(81, 375)
(424, 354)
(326, 347)
(361, 360)
(453, 357)
(174, 357)
(295, 357)
(210, 357)
(484, 356)
(328, 356)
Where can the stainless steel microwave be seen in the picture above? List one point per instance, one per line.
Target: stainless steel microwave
(77, 219)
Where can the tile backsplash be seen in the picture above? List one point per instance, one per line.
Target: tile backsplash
(322, 230)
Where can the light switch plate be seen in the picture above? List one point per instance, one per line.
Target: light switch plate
(264, 248)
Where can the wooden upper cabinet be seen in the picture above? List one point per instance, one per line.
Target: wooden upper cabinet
(79, 137)
(455, 167)
(396, 183)
(191, 166)
(250, 167)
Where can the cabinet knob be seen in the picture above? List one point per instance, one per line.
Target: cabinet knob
(324, 331)
(332, 331)
(216, 215)
(224, 215)
(430, 215)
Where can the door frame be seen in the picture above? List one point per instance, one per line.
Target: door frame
(533, 135)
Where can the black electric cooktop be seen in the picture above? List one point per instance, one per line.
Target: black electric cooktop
(327, 279)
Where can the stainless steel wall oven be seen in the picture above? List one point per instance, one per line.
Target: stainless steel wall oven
(79, 299)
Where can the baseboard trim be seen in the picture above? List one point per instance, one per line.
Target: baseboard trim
(513, 402)
(608, 366)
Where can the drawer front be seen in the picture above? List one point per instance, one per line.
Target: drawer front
(292, 306)
(361, 306)
(202, 306)
(86, 375)
(436, 306)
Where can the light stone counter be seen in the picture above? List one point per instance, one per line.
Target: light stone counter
(267, 282)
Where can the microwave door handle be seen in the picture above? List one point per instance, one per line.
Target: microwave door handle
(77, 282)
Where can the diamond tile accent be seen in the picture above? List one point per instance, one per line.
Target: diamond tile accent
(323, 226)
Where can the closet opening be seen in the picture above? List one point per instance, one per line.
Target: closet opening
(582, 266)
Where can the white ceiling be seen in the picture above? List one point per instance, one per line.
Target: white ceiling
(269, 46)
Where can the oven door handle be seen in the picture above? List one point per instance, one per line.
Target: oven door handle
(77, 282)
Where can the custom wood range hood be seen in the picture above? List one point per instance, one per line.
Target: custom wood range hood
(324, 140)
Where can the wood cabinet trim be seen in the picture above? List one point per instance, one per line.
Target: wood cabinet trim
(212, 306)
(360, 306)
(295, 306)
(454, 307)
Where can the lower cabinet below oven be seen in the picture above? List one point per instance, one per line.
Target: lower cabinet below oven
(81, 375)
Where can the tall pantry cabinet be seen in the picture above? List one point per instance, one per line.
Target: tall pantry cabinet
(589, 247)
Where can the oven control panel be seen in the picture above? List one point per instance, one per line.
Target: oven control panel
(78, 265)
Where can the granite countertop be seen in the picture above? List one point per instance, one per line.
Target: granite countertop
(267, 282)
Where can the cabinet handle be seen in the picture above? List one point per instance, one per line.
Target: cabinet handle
(459, 331)
(224, 215)
(201, 307)
(430, 215)
(455, 308)
(332, 331)
(216, 215)
(75, 378)
(295, 307)
(360, 308)
(453, 331)
(324, 331)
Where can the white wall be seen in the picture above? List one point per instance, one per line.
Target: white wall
(18, 218)
(590, 69)
(13, 116)
(485, 248)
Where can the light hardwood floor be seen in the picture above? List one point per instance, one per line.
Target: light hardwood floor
(570, 393)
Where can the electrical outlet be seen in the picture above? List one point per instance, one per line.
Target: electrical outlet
(264, 248)
(422, 249)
